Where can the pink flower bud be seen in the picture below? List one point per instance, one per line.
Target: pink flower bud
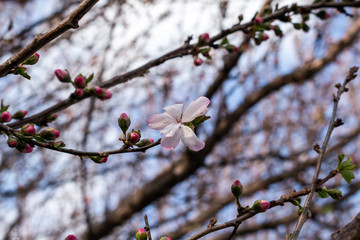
(261, 205)
(62, 75)
(33, 59)
(265, 37)
(12, 141)
(258, 20)
(144, 142)
(198, 61)
(5, 116)
(104, 159)
(79, 92)
(237, 188)
(19, 114)
(98, 91)
(133, 137)
(28, 129)
(124, 122)
(79, 82)
(49, 133)
(71, 237)
(204, 38)
(140, 234)
(107, 95)
(27, 149)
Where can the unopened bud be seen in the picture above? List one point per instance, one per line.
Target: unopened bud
(98, 91)
(204, 38)
(144, 142)
(107, 95)
(19, 114)
(49, 133)
(141, 234)
(62, 75)
(5, 116)
(98, 159)
(124, 122)
(79, 92)
(198, 61)
(134, 136)
(79, 82)
(260, 206)
(33, 59)
(237, 188)
(27, 149)
(28, 129)
(12, 141)
(71, 237)
(334, 193)
(258, 20)
(265, 37)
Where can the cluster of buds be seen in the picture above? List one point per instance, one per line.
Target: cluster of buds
(21, 70)
(133, 137)
(21, 138)
(141, 234)
(204, 39)
(6, 116)
(101, 93)
(80, 83)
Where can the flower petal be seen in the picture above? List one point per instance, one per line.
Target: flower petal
(160, 121)
(175, 111)
(195, 109)
(190, 140)
(171, 137)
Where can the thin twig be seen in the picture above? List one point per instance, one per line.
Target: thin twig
(147, 227)
(333, 123)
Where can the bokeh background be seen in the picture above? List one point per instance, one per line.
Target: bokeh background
(269, 105)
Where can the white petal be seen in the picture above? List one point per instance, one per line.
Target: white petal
(175, 111)
(171, 137)
(190, 140)
(160, 121)
(195, 109)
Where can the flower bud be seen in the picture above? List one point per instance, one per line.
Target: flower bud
(334, 193)
(107, 95)
(140, 234)
(144, 142)
(258, 20)
(237, 188)
(49, 133)
(98, 159)
(231, 48)
(33, 59)
(5, 116)
(19, 114)
(198, 61)
(28, 129)
(134, 136)
(12, 141)
(62, 75)
(79, 92)
(165, 238)
(260, 206)
(204, 38)
(124, 122)
(265, 37)
(27, 149)
(71, 237)
(79, 82)
(98, 91)
(51, 118)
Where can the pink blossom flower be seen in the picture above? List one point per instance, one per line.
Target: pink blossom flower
(173, 124)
